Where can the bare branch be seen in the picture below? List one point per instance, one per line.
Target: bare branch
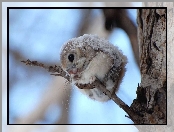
(95, 84)
(53, 69)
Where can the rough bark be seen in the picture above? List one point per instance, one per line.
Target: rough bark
(170, 74)
(150, 103)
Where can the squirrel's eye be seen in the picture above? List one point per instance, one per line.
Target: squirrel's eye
(71, 57)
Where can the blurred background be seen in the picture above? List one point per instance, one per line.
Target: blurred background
(35, 96)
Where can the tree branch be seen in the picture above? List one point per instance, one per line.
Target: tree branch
(53, 69)
(120, 18)
(132, 115)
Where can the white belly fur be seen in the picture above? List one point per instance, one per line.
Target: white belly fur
(98, 67)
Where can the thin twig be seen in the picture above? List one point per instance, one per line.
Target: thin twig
(52, 69)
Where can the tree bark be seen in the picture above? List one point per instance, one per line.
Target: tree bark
(150, 103)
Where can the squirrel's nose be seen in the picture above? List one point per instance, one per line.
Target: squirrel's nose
(72, 71)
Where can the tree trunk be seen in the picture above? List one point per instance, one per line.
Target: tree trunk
(150, 103)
